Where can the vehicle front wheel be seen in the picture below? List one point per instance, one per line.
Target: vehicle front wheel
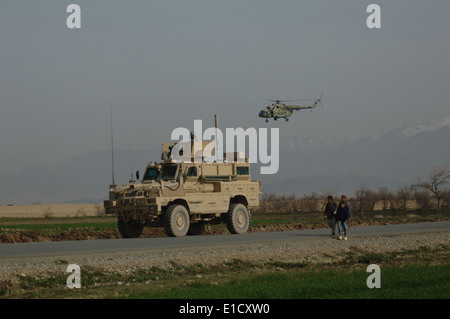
(237, 219)
(176, 221)
(129, 229)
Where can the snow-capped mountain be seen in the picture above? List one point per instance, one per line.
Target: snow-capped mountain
(430, 126)
(393, 159)
(296, 144)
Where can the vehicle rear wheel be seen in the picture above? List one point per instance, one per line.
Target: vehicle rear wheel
(196, 228)
(237, 219)
(129, 229)
(176, 221)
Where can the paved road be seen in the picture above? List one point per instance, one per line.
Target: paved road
(142, 244)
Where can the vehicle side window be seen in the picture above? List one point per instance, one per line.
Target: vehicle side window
(192, 171)
(242, 170)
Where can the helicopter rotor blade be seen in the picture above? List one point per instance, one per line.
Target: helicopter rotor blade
(269, 100)
(320, 100)
(284, 100)
(256, 98)
(297, 100)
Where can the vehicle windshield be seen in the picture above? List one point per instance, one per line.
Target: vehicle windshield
(168, 172)
(151, 174)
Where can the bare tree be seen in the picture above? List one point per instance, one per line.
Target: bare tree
(423, 199)
(48, 213)
(100, 210)
(309, 202)
(384, 195)
(446, 198)
(272, 203)
(400, 199)
(366, 198)
(437, 178)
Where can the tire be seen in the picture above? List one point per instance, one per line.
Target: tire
(196, 228)
(176, 221)
(129, 229)
(237, 219)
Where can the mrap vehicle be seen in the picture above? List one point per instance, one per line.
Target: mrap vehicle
(183, 196)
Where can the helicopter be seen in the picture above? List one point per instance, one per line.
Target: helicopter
(280, 110)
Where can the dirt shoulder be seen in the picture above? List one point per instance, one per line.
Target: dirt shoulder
(316, 250)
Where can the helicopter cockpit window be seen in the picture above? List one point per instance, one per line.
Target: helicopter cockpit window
(151, 174)
(192, 171)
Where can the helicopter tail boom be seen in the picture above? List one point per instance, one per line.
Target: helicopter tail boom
(305, 107)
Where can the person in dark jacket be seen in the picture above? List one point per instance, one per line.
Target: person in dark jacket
(342, 216)
(330, 211)
(344, 198)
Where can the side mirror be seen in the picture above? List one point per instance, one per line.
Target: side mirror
(137, 174)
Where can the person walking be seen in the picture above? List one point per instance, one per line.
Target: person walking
(342, 216)
(330, 212)
(344, 198)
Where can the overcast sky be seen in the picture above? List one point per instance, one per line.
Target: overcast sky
(164, 63)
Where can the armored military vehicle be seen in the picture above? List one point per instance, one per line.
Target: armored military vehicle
(183, 196)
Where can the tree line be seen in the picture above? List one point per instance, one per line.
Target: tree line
(429, 193)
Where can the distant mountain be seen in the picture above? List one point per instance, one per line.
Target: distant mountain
(84, 177)
(393, 159)
(327, 184)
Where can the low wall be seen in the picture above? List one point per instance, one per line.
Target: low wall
(51, 210)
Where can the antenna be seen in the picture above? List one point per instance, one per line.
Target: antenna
(216, 124)
(112, 144)
(129, 155)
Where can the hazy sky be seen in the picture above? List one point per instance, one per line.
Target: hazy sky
(164, 63)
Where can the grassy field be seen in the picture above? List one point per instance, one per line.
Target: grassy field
(62, 224)
(399, 282)
(420, 273)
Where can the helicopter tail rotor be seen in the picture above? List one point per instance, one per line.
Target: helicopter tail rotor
(319, 100)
